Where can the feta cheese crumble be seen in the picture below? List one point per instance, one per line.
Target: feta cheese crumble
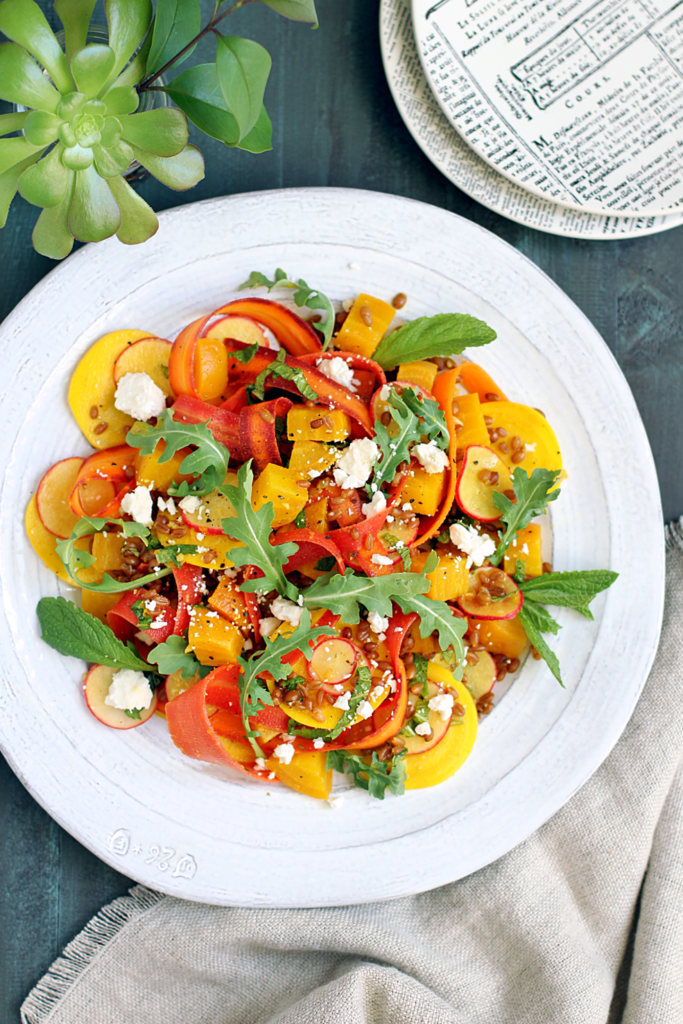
(443, 704)
(381, 560)
(430, 457)
(190, 504)
(129, 691)
(138, 504)
(378, 623)
(167, 506)
(286, 611)
(476, 545)
(284, 752)
(343, 701)
(318, 743)
(423, 729)
(377, 504)
(355, 465)
(338, 370)
(364, 709)
(138, 396)
(269, 624)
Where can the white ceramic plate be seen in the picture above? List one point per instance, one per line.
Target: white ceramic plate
(448, 151)
(194, 830)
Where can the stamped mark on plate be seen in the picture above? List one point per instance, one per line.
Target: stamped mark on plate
(184, 866)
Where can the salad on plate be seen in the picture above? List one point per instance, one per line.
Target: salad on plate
(307, 537)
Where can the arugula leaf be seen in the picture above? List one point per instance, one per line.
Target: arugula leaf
(431, 416)
(245, 355)
(528, 621)
(171, 656)
(208, 463)
(170, 554)
(375, 777)
(445, 334)
(134, 713)
(252, 689)
(280, 368)
(343, 595)
(395, 450)
(72, 631)
(326, 563)
(74, 558)
(436, 615)
(360, 692)
(420, 679)
(519, 575)
(304, 296)
(253, 529)
(569, 589)
(533, 493)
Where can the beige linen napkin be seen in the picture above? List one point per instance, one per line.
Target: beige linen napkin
(539, 937)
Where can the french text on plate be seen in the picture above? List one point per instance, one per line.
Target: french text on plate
(165, 858)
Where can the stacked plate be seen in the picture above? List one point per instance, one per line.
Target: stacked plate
(563, 115)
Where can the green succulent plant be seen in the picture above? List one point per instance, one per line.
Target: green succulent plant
(81, 128)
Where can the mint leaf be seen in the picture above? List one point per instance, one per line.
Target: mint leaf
(540, 618)
(145, 620)
(519, 575)
(436, 615)
(280, 368)
(569, 589)
(375, 777)
(420, 678)
(171, 656)
(445, 334)
(133, 713)
(245, 355)
(254, 529)
(533, 493)
(529, 622)
(75, 559)
(344, 595)
(208, 463)
(73, 632)
(303, 296)
(430, 414)
(395, 450)
(253, 690)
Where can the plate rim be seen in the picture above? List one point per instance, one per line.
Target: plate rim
(342, 197)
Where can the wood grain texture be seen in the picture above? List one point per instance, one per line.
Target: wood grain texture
(335, 124)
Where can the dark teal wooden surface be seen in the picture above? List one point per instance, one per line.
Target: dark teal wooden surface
(335, 124)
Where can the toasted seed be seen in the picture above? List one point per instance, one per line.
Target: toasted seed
(455, 407)
(502, 447)
(94, 412)
(329, 422)
(450, 364)
(386, 418)
(472, 658)
(502, 432)
(539, 410)
(483, 596)
(399, 301)
(347, 633)
(355, 533)
(303, 483)
(513, 665)
(547, 567)
(369, 541)
(511, 496)
(488, 420)
(516, 443)
(100, 428)
(491, 396)
(366, 315)
(518, 456)
(535, 655)
(316, 424)
(209, 556)
(318, 715)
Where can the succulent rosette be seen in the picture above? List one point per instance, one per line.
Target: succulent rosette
(80, 131)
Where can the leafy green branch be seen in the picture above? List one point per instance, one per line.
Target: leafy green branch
(208, 462)
(373, 775)
(75, 558)
(533, 494)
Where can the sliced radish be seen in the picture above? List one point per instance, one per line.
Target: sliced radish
(333, 660)
(207, 518)
(150, 356)
(238, 328)
(482, 473)
(480, 677)
(96, 687)
(52, 497)
(484, 600)
(438, 728)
